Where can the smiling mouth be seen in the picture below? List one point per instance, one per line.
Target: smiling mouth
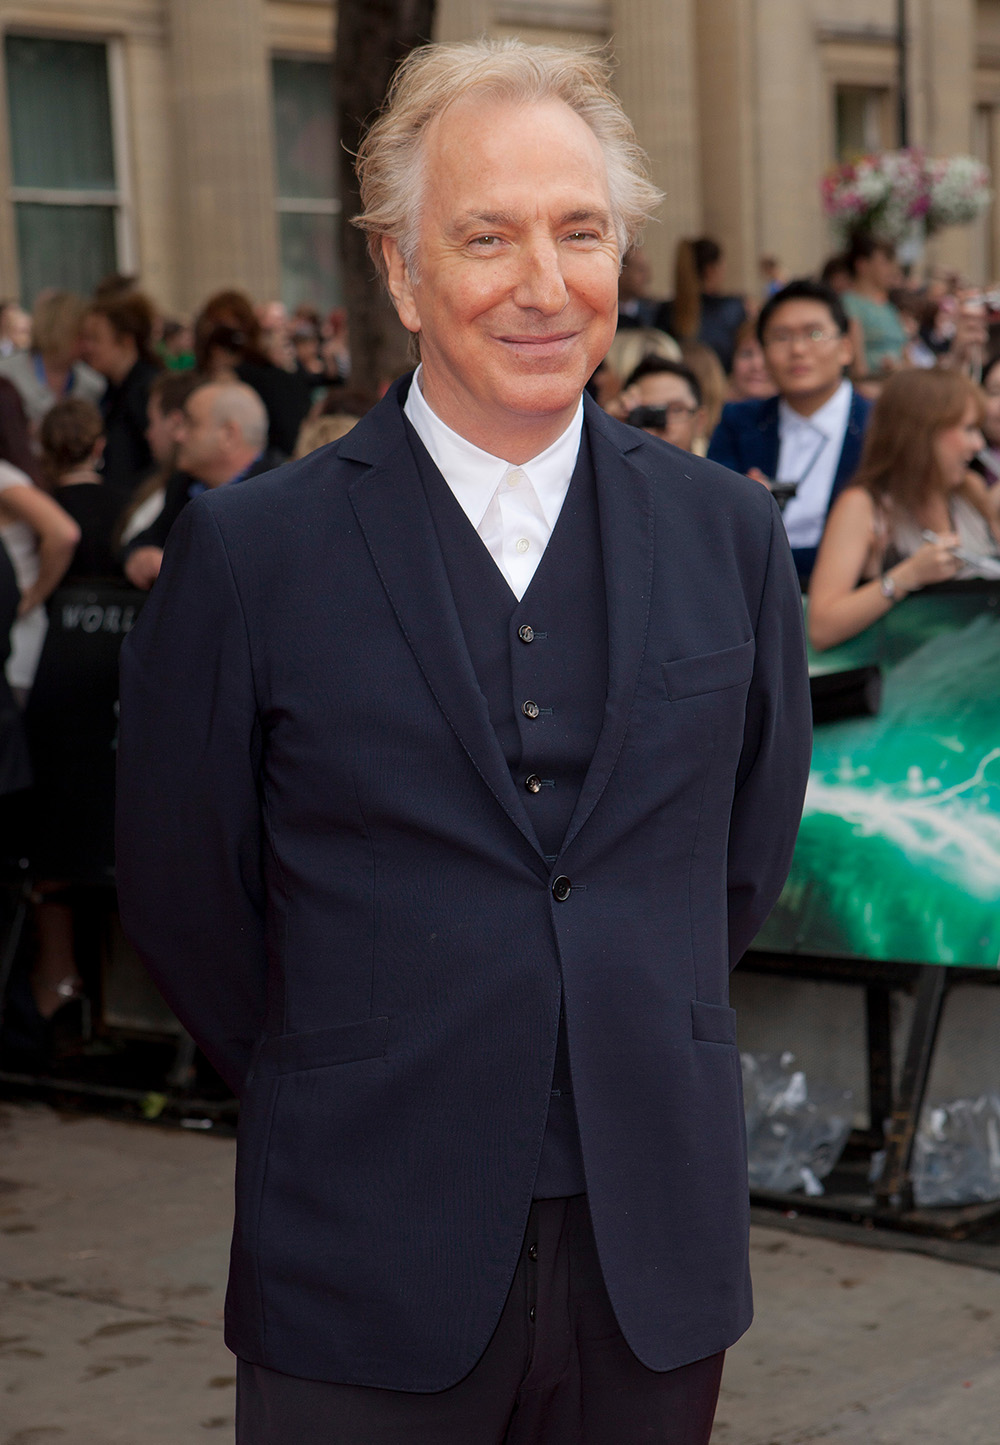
(538, 340)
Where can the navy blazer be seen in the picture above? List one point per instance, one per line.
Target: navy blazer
(328, 868)
(747, 436)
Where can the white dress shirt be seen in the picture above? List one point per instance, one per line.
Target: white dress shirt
(514, 509)
(809, 452)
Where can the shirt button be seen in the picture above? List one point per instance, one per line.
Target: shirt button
(532, 1251)
(533, 783)
(526, 633)
(561, 889)
(529, 708)
(522, 544)
(531, 1313)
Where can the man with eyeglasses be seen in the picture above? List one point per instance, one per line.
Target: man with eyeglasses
(805, 443)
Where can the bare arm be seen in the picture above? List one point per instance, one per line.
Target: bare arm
(838, 607)
(986, 499)
(58, 536)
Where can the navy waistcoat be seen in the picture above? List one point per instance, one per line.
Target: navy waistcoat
(542, 665)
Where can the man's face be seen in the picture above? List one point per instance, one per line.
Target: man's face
(202, 442)
(684, 416)
(162, 430)
(805, 352)
(517, 296)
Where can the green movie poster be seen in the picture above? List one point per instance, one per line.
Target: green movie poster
(898, 855)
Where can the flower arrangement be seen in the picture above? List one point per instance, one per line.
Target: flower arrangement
(887, 194)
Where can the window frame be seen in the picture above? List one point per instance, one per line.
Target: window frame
(120, 199)
(299, 205)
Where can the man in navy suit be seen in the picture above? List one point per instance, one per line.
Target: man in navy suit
(810, 434)
(459, 762)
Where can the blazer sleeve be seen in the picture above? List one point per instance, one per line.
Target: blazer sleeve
(777, 749)
(724, 445)
(189, 829)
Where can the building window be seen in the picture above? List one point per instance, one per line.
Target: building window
(306, 172)
(863, 121)
(69, 207)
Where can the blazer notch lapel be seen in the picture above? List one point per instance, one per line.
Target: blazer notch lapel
(625, 503)
(395, 520)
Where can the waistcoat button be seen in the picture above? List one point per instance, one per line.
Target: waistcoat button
(561, 889)
(533, 783)
(526, 633)
(530, 709)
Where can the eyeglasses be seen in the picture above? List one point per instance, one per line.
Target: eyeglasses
(809, 336)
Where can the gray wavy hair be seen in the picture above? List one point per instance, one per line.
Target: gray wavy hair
(390, 158)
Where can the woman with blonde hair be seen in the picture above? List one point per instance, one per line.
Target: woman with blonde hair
(914, 514)
(52, 368)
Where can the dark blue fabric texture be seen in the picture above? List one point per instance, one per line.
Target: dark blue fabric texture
(550, 648)
(327, 864)
(747, 436)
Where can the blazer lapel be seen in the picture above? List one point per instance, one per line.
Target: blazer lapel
(768, 439)
(625, 501)
(395, 520)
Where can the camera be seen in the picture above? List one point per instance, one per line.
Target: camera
(783, 492)
(648, 416)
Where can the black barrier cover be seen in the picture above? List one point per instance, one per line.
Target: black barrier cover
(72, 724)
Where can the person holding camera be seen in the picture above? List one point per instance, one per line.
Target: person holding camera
(664, 399)
(806, 441)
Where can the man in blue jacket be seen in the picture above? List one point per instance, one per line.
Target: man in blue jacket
(810, 434)
(459, 762)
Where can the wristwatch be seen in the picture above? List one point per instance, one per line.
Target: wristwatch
(887, 587)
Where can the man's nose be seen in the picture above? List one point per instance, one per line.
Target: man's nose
(540, 285)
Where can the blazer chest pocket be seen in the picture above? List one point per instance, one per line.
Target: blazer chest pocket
(708, 671)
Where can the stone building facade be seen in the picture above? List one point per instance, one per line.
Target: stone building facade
(189, 140)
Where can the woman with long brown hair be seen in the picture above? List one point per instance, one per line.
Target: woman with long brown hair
(701, 310)
(913, 484)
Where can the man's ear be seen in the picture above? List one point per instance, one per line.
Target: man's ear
(400, 286)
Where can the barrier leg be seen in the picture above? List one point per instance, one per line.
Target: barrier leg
(895, 1189)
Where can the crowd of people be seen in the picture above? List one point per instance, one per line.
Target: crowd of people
(868, 403)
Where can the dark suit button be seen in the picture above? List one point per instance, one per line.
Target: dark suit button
(533, 783)
(531, 1313)
(561, 889)
(526, 633)
(529, 708)
(532, 1251)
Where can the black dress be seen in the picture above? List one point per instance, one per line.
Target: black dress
(95, 508)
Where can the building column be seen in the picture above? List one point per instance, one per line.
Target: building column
(461, 19)
(791, 96)
(947, 79)
(726, 99)
(225, 151)
(654, 44)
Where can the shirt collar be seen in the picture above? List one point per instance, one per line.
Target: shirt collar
(830, 420)
(474, 475)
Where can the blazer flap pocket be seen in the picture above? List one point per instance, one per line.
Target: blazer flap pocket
(709, 671)
(319, 1048)
(713, 1023)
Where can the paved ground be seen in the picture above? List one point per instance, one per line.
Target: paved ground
(113, 1245)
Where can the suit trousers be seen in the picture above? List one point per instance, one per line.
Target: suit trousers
(557, 1371)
